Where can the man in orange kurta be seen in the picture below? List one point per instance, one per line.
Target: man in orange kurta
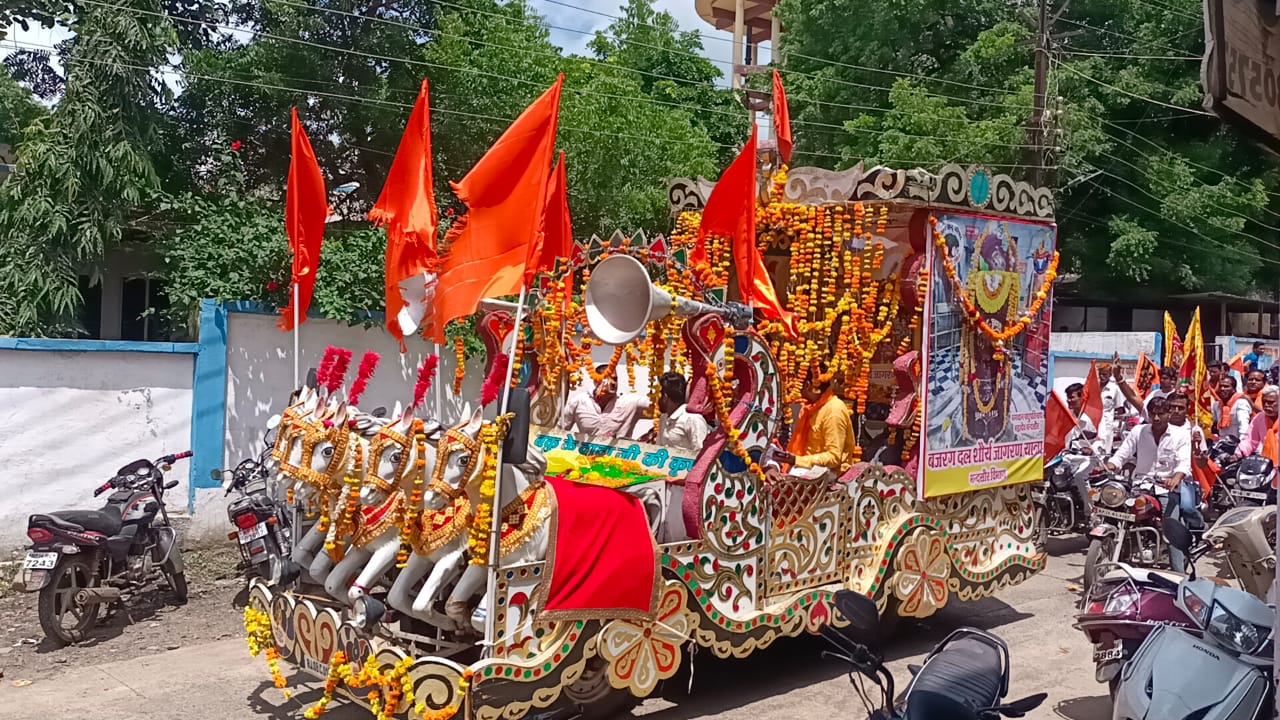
(824, 431)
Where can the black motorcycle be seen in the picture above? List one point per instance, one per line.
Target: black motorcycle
(81, 559)
(1223, 453)
(1254, 482)
(262, 525)
(965, 677)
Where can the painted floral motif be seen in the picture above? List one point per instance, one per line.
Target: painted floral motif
(922, 570)
(641, 655)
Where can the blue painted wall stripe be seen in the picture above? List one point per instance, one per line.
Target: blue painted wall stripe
(72, 345)
(208, 398)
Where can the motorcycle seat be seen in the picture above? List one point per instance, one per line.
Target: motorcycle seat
(967, 671)
(106, 521)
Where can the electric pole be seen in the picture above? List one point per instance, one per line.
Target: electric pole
(1036, 130)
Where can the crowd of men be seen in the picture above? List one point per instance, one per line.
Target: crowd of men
(1159, 435)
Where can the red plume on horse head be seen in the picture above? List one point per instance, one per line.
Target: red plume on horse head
(325, 368)
(426, 374)
(368, 363)
(493, 382)
(338, 372)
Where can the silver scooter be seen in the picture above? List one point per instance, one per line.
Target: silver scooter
(1225, 675)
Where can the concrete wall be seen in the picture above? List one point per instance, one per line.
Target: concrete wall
(1070, 354)
(69, 420)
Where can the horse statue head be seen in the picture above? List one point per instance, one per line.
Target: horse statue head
(457, 459)
(399, 452)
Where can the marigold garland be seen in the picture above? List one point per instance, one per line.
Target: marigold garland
(258, 635)
(972, 316)
(491, 436)
(338, 670)
(460, 367)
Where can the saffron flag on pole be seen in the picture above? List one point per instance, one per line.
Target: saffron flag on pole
(1091, 398)
(505, 194)
(1145, 375)
(731, 213)
(305, 208)
(1172, 345)
(556, 239)
(781, 118)
(1058, 421)
(407, 208)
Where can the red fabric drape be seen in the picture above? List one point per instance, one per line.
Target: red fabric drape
(305, 209)
(1091, 399)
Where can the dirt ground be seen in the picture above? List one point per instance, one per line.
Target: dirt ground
(150, 623)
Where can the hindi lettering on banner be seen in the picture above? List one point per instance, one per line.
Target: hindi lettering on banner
(984, 416)
(652, 457)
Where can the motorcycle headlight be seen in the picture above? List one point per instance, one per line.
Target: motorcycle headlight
(1254, 472)
(1112, 495)
(1235, 633)
(1250, 481)
(367, 611)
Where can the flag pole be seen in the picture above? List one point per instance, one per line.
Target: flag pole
(296, 382)
(495, 528)
(435, 349)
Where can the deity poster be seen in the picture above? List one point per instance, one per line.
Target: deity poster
(984, 411)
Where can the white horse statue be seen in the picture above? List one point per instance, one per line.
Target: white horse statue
(401, 453)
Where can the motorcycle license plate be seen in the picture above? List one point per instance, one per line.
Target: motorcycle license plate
(1113, 514)
(1249, 495)
(40, 560)
(253, 533)
(1100, 654)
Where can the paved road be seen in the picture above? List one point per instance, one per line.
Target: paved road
(218, 681)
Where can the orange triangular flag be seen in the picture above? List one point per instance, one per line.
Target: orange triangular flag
(305, 209)
(556, 238)
(781, 118)
(1091, 398)
(407, 207)
(1237, 363)
(505, 194)
(731, 213)
(1058, 421)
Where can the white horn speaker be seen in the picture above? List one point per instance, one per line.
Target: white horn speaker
(620, 301)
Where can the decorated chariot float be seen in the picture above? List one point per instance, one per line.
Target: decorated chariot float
(500, 566)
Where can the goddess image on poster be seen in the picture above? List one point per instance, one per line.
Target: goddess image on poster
(987, 363)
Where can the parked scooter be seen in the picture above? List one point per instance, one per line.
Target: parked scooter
(1223, 675)
(1120, 611)
(965, 677)
(80, 559)
(1247, 535)
(263, 528)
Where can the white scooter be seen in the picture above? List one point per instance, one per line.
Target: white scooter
(1226, 675)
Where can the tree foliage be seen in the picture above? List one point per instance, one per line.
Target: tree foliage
(1153, 196)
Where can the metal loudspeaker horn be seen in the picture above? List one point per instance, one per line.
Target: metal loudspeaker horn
(620, 301)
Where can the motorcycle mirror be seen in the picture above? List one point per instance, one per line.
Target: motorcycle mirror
(1177, 533)
(860, 611)
(215, 474)
(311, 377)
(273, 422)
(379, 412)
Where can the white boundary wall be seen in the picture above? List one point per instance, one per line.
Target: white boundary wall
(69, 420)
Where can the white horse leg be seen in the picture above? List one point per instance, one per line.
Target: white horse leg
(304, 553)
(382, 555)
(472, 581)
(445, 569)
(339, 579)
(399, 597)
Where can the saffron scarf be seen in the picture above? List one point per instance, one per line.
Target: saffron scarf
(799, 444)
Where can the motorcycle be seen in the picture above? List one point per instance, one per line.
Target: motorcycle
(1120, 611)
(1248, 537)
(1127, 525)
(1254, 482)
(1223, 453)
(262, 525)
(1223, 674)
(81, 559)
(1058, 509)
(965, 677)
